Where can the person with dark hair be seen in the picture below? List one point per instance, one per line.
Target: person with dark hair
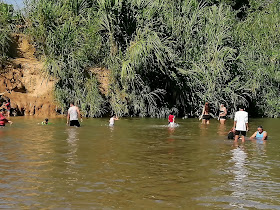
(241, 124)
(206, 114)
(231, 133)
(260, 134)
(46, 122)
(3, 119)
(73, 115)
(112, 120)
(222, 114)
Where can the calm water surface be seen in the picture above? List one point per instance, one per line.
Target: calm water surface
(138, 164)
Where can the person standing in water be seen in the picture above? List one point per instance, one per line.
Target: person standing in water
(112, 120)
(73, 115)
(260, 134)
(241, 124)
(206, 114)
(222, 114)
(3, 119)
(171, 120)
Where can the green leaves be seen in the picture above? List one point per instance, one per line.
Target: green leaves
(163, 55)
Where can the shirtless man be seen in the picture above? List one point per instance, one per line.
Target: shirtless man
(112, 120)
(73, 115)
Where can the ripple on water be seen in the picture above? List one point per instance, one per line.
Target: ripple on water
(137, 164)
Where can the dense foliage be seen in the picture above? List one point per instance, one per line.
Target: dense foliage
(6, 13)
(9, 19)
(164, 55)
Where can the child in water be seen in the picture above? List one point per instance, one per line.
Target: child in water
(171, 121)
(112, 120)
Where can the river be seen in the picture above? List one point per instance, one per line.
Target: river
(137, 164)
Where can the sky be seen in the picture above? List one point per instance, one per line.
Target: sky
(18, 4)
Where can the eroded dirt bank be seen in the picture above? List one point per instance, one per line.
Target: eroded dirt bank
(24, 83)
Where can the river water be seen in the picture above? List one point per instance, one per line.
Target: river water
(138, 164)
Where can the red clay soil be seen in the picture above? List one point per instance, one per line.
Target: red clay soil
(25, 84)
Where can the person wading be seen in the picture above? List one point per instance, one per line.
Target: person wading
(241, 124)
(206, 114)
(73, 115)
(222, 114)
(112, 120)
(3, 119)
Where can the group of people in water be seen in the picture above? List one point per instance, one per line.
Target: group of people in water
(239, 130)
(240, 126)
(207, 115)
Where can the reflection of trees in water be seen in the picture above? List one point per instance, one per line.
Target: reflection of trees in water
(240, 172)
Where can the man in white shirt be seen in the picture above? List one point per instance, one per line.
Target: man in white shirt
(241, 124)
(73, 115)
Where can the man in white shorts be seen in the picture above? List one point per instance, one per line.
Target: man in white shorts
(241, 124)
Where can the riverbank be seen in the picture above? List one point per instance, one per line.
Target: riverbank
(24, 82)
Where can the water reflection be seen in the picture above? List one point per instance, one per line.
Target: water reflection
(71, 157)
(260, 147)
(171, 131)
(141, 163)
(222, 130)
(203, 130)
(240, 172)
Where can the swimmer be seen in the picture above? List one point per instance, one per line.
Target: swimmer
(46, 122)
(260, 134)
(3, 119)
(231, 133)
(112, 120)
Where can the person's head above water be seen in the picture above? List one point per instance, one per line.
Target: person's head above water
(260, 129)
